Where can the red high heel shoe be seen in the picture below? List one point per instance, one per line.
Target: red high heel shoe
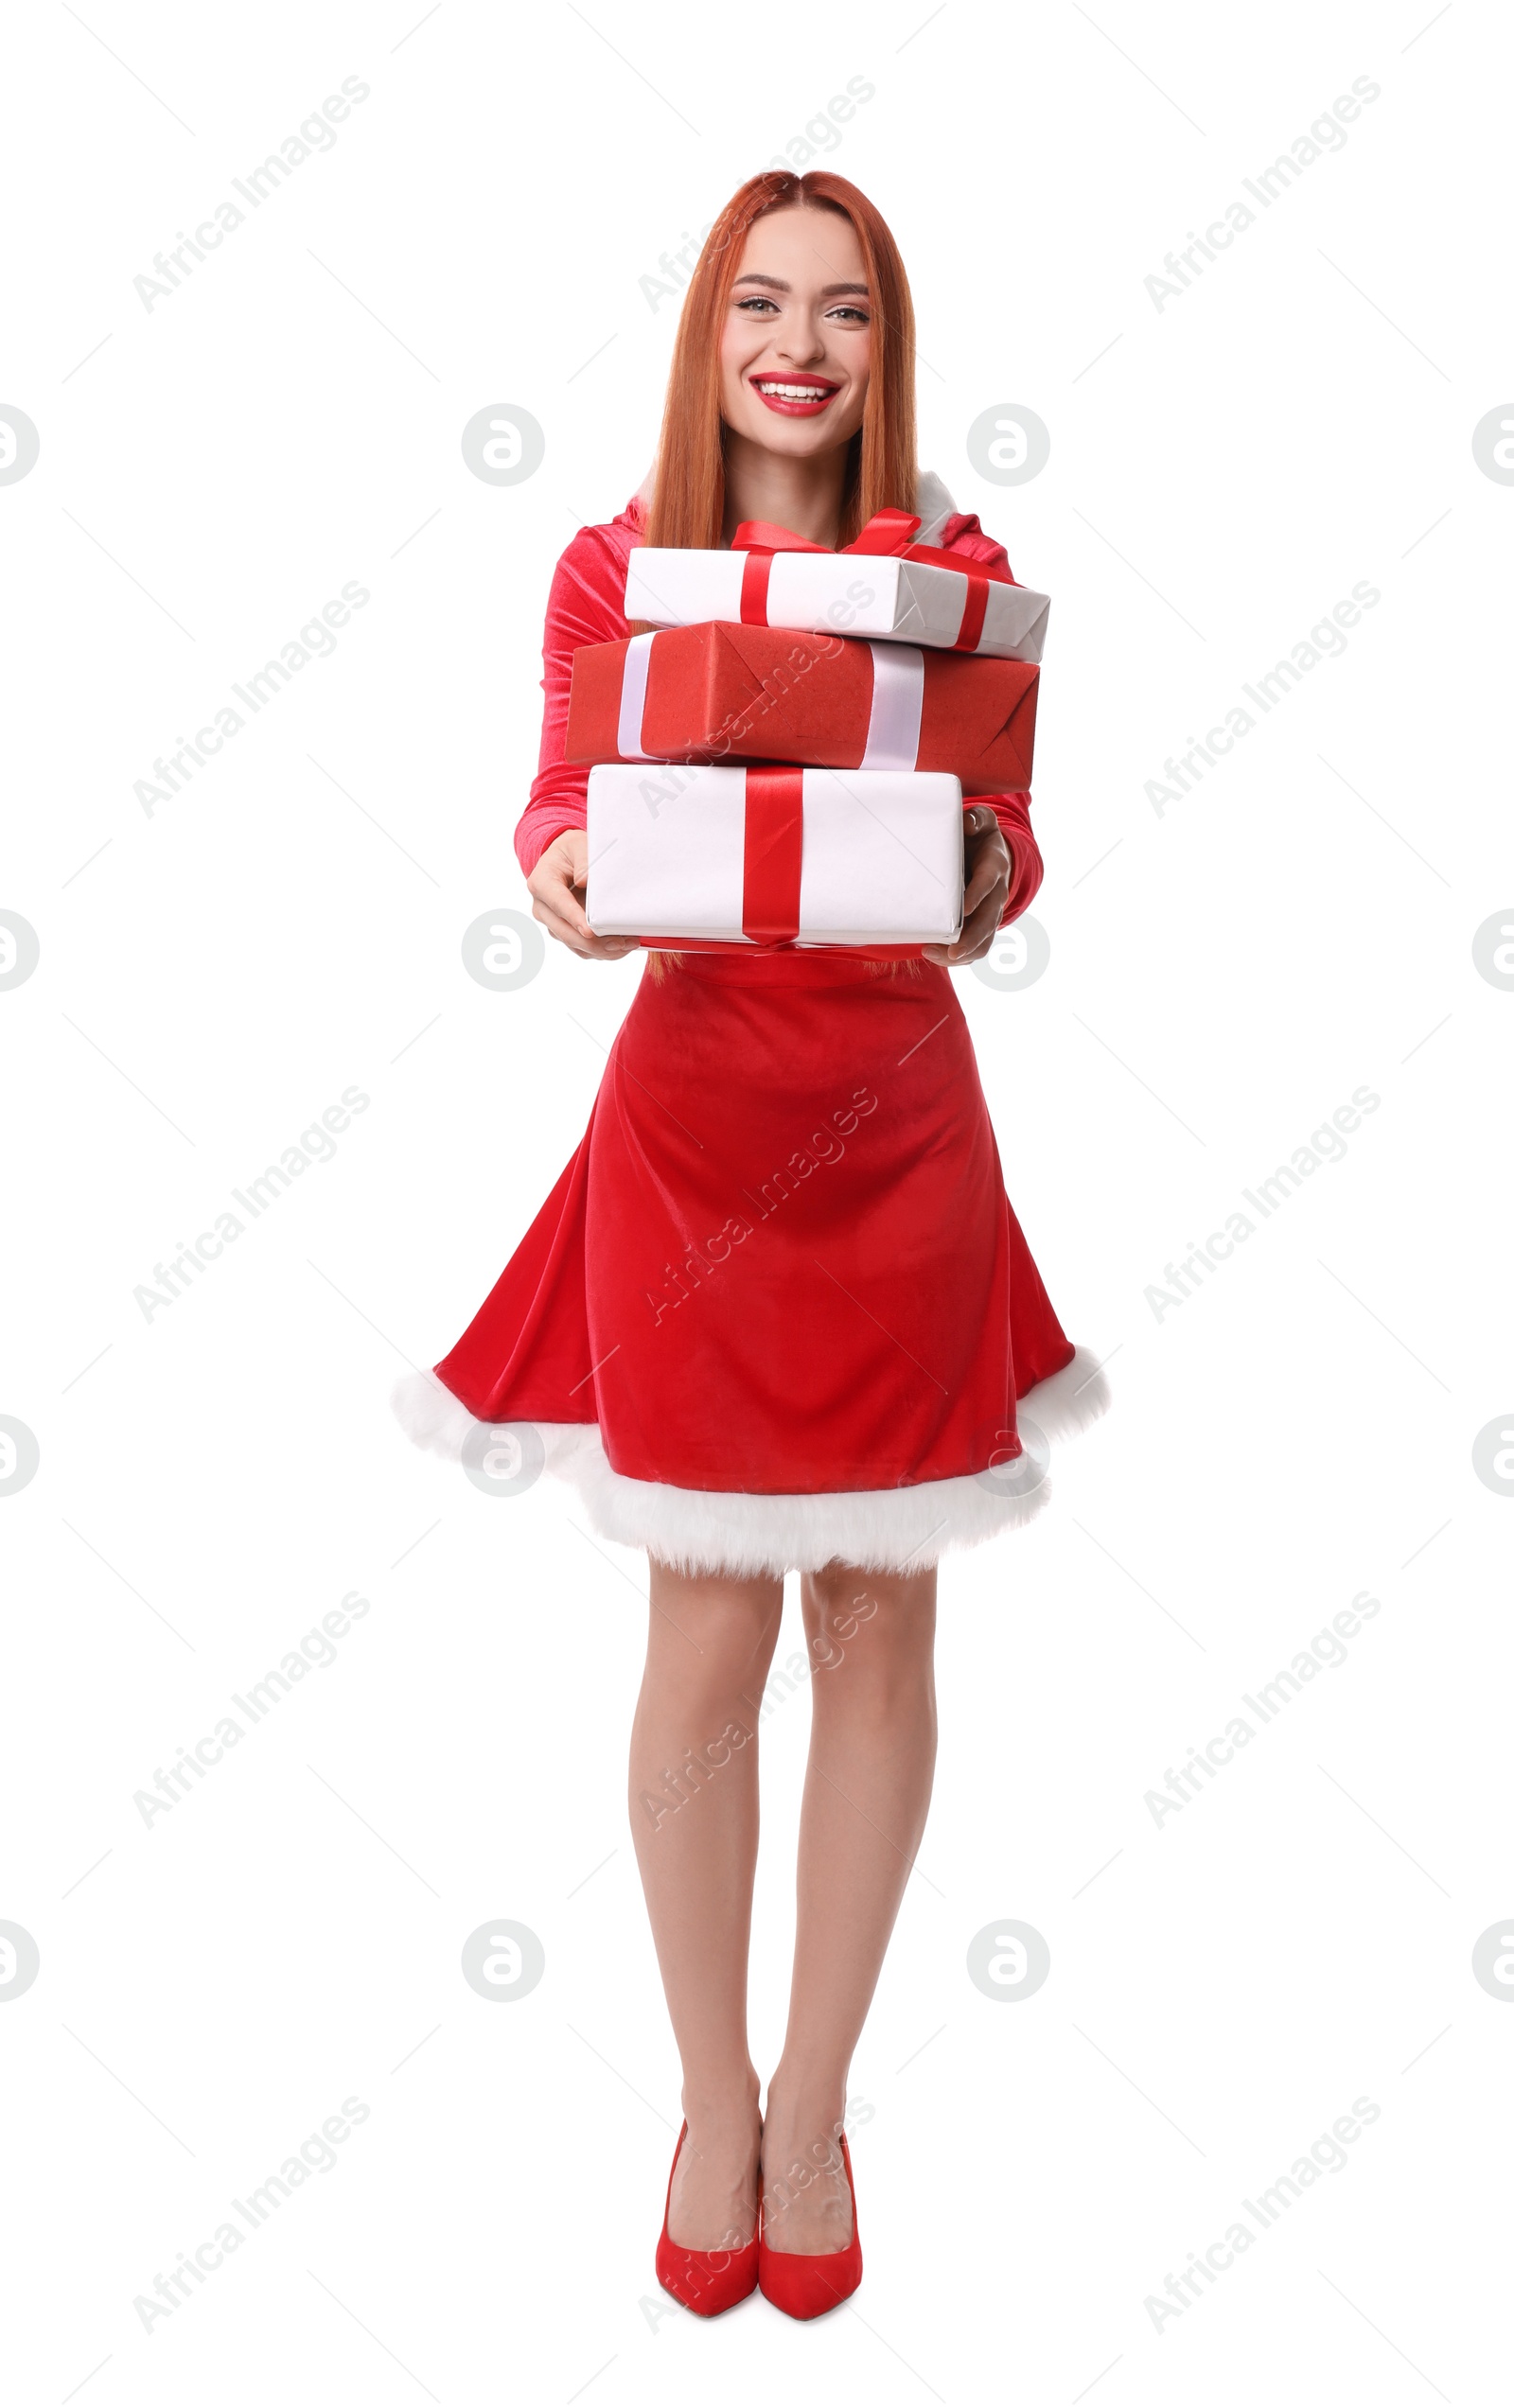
(805, 2287)
(706, 2280)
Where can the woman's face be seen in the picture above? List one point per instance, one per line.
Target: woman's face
(795, 349)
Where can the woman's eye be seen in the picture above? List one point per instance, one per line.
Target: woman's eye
(757, 301)
(860, 315)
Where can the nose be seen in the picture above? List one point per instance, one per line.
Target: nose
(803, 344)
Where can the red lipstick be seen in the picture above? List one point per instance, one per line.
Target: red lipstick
(795, 396)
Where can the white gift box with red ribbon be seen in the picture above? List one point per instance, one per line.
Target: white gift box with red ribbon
(775, 856)
(881, 585)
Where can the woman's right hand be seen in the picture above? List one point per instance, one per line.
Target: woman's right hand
(557, 886)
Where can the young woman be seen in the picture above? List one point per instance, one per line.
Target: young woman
(777, 1312)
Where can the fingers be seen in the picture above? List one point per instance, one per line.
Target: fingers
(990, 875)
(555, 901)
(986, 857)
(979, 932)
(980, 927)
(599, 948)
(989, 871)
(578, 936)
(988, 884)
(981, 919)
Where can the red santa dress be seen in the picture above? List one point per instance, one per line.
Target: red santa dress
(777, 1310)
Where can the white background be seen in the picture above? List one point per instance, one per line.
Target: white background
(1224, 1984)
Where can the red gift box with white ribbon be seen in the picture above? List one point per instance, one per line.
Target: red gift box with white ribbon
(774, 856)
(882, 584)
(719, 690)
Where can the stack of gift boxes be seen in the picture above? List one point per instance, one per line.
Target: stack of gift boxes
(783, 760)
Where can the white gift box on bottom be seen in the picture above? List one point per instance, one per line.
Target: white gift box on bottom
(770, 855)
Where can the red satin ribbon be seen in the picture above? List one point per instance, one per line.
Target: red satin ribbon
(774, 856)
(886, 534)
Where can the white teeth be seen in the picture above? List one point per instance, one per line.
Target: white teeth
(792, 391)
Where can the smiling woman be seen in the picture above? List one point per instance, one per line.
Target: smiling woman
(792, 384)
(777, 1313)
(773, 334)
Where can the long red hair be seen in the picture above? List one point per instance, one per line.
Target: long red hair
(689, 494)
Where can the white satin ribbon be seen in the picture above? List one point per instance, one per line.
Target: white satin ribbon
(633, 698)
(898, 694)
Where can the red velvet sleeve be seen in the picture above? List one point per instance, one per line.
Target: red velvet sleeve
(585, 606)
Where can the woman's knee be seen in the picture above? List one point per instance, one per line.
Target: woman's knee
(899, 1607)
(871, 1633)
(711, 1639)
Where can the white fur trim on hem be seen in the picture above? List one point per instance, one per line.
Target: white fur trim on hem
(718, 1531)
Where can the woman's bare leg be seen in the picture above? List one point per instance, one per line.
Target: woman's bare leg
(867, 1792)
(693, 1814)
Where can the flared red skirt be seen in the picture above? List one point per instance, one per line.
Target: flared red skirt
(778, 1308)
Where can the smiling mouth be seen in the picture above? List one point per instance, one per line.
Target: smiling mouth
(795, 396)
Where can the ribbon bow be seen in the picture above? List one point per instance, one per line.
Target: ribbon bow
(888, 533)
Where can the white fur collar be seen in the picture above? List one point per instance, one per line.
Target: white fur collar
(933, 504)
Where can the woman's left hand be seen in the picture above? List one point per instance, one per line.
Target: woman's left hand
(988, 869)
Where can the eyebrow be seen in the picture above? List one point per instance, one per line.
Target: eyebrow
(776, 284)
